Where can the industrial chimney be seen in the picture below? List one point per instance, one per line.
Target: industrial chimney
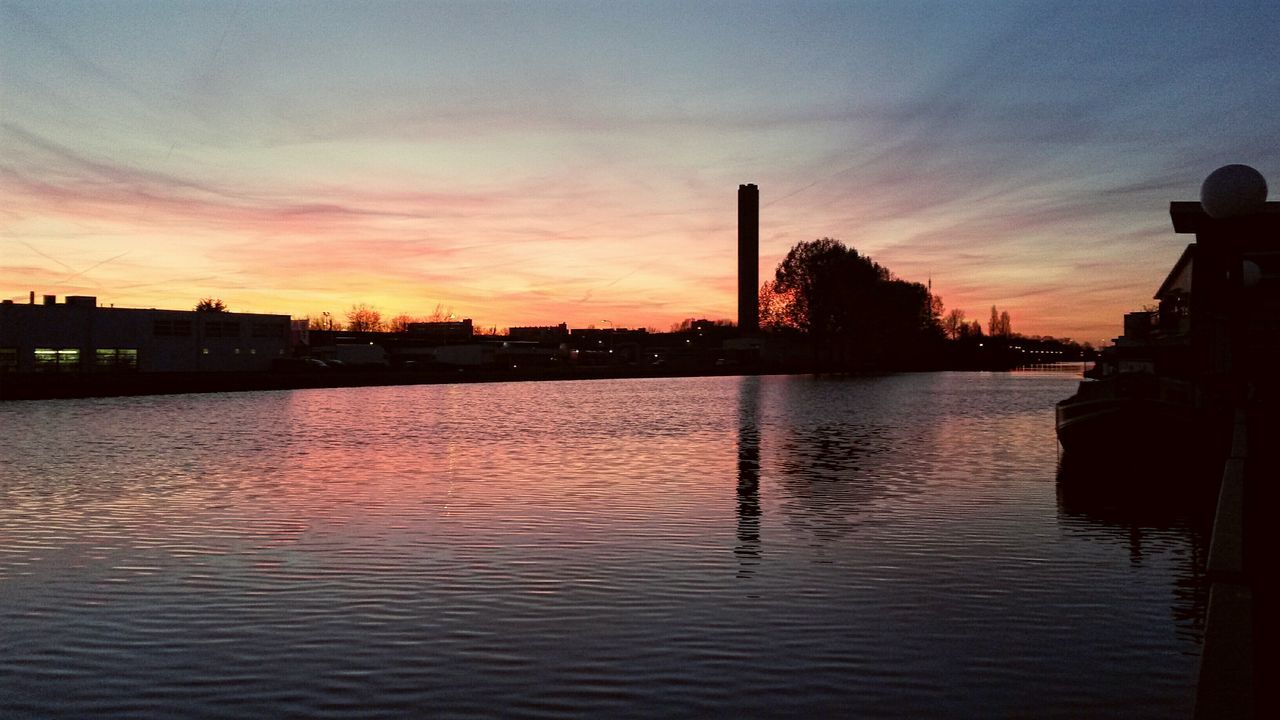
(748, 259)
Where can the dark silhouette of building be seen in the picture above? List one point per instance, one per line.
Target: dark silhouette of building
(442, 333)
(79, 336)
(540, 333)
(748, 258)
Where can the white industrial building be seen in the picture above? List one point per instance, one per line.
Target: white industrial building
(79, 336)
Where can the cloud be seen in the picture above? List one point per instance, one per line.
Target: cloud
(1022, 155)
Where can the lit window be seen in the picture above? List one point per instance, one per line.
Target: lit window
(116, 358)
(57, 360)
(204, 351)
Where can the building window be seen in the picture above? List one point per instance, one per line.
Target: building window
(8, 359)
(220, 329)
(172, 328)
(57, 360)
(268, 330)
(204, 351)
(116, 358)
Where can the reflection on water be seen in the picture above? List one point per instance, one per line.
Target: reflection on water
(748, 549)
(839, 457)
(1155, 510)
(751, 547)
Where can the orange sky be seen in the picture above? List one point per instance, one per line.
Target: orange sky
(537, 164)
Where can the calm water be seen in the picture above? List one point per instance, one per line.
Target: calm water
(879, 547)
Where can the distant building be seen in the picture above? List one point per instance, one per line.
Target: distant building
(441, 333)
(79, 336)
(540, 333)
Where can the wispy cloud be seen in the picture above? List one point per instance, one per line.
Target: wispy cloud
(566, 162)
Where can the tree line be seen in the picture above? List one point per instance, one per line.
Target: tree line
(365, 318)
(855, 314)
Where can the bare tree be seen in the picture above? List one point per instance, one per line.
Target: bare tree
(440, 314)
(400, 323)
(362, 318)
(954, 324)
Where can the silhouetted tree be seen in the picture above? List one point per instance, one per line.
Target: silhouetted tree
(773, 306)
(999, 324)
(362, 318)
(400, 323)
(211, 305)
(440, 314)
(323, 321)
(936, 309)
(852, 307)
(954, 324)
(822, 282)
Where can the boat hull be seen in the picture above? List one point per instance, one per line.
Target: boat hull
(1122, 425)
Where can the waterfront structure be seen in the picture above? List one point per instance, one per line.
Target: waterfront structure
(748, 259)
(79, 336)
(1197, 378)
(1179, 370)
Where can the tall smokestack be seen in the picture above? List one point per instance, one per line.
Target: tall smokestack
(748, 258)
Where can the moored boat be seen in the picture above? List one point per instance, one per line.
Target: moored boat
(1127, 413)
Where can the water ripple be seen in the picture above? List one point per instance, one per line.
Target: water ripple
(878, 547)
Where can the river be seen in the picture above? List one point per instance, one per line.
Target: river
(892, 546)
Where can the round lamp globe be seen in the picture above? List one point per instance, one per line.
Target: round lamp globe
(1233, 191)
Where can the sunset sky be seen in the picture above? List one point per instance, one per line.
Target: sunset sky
(545, 162)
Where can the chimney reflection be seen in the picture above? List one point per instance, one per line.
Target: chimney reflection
(748, 548)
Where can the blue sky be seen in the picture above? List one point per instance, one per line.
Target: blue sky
(548, 162)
